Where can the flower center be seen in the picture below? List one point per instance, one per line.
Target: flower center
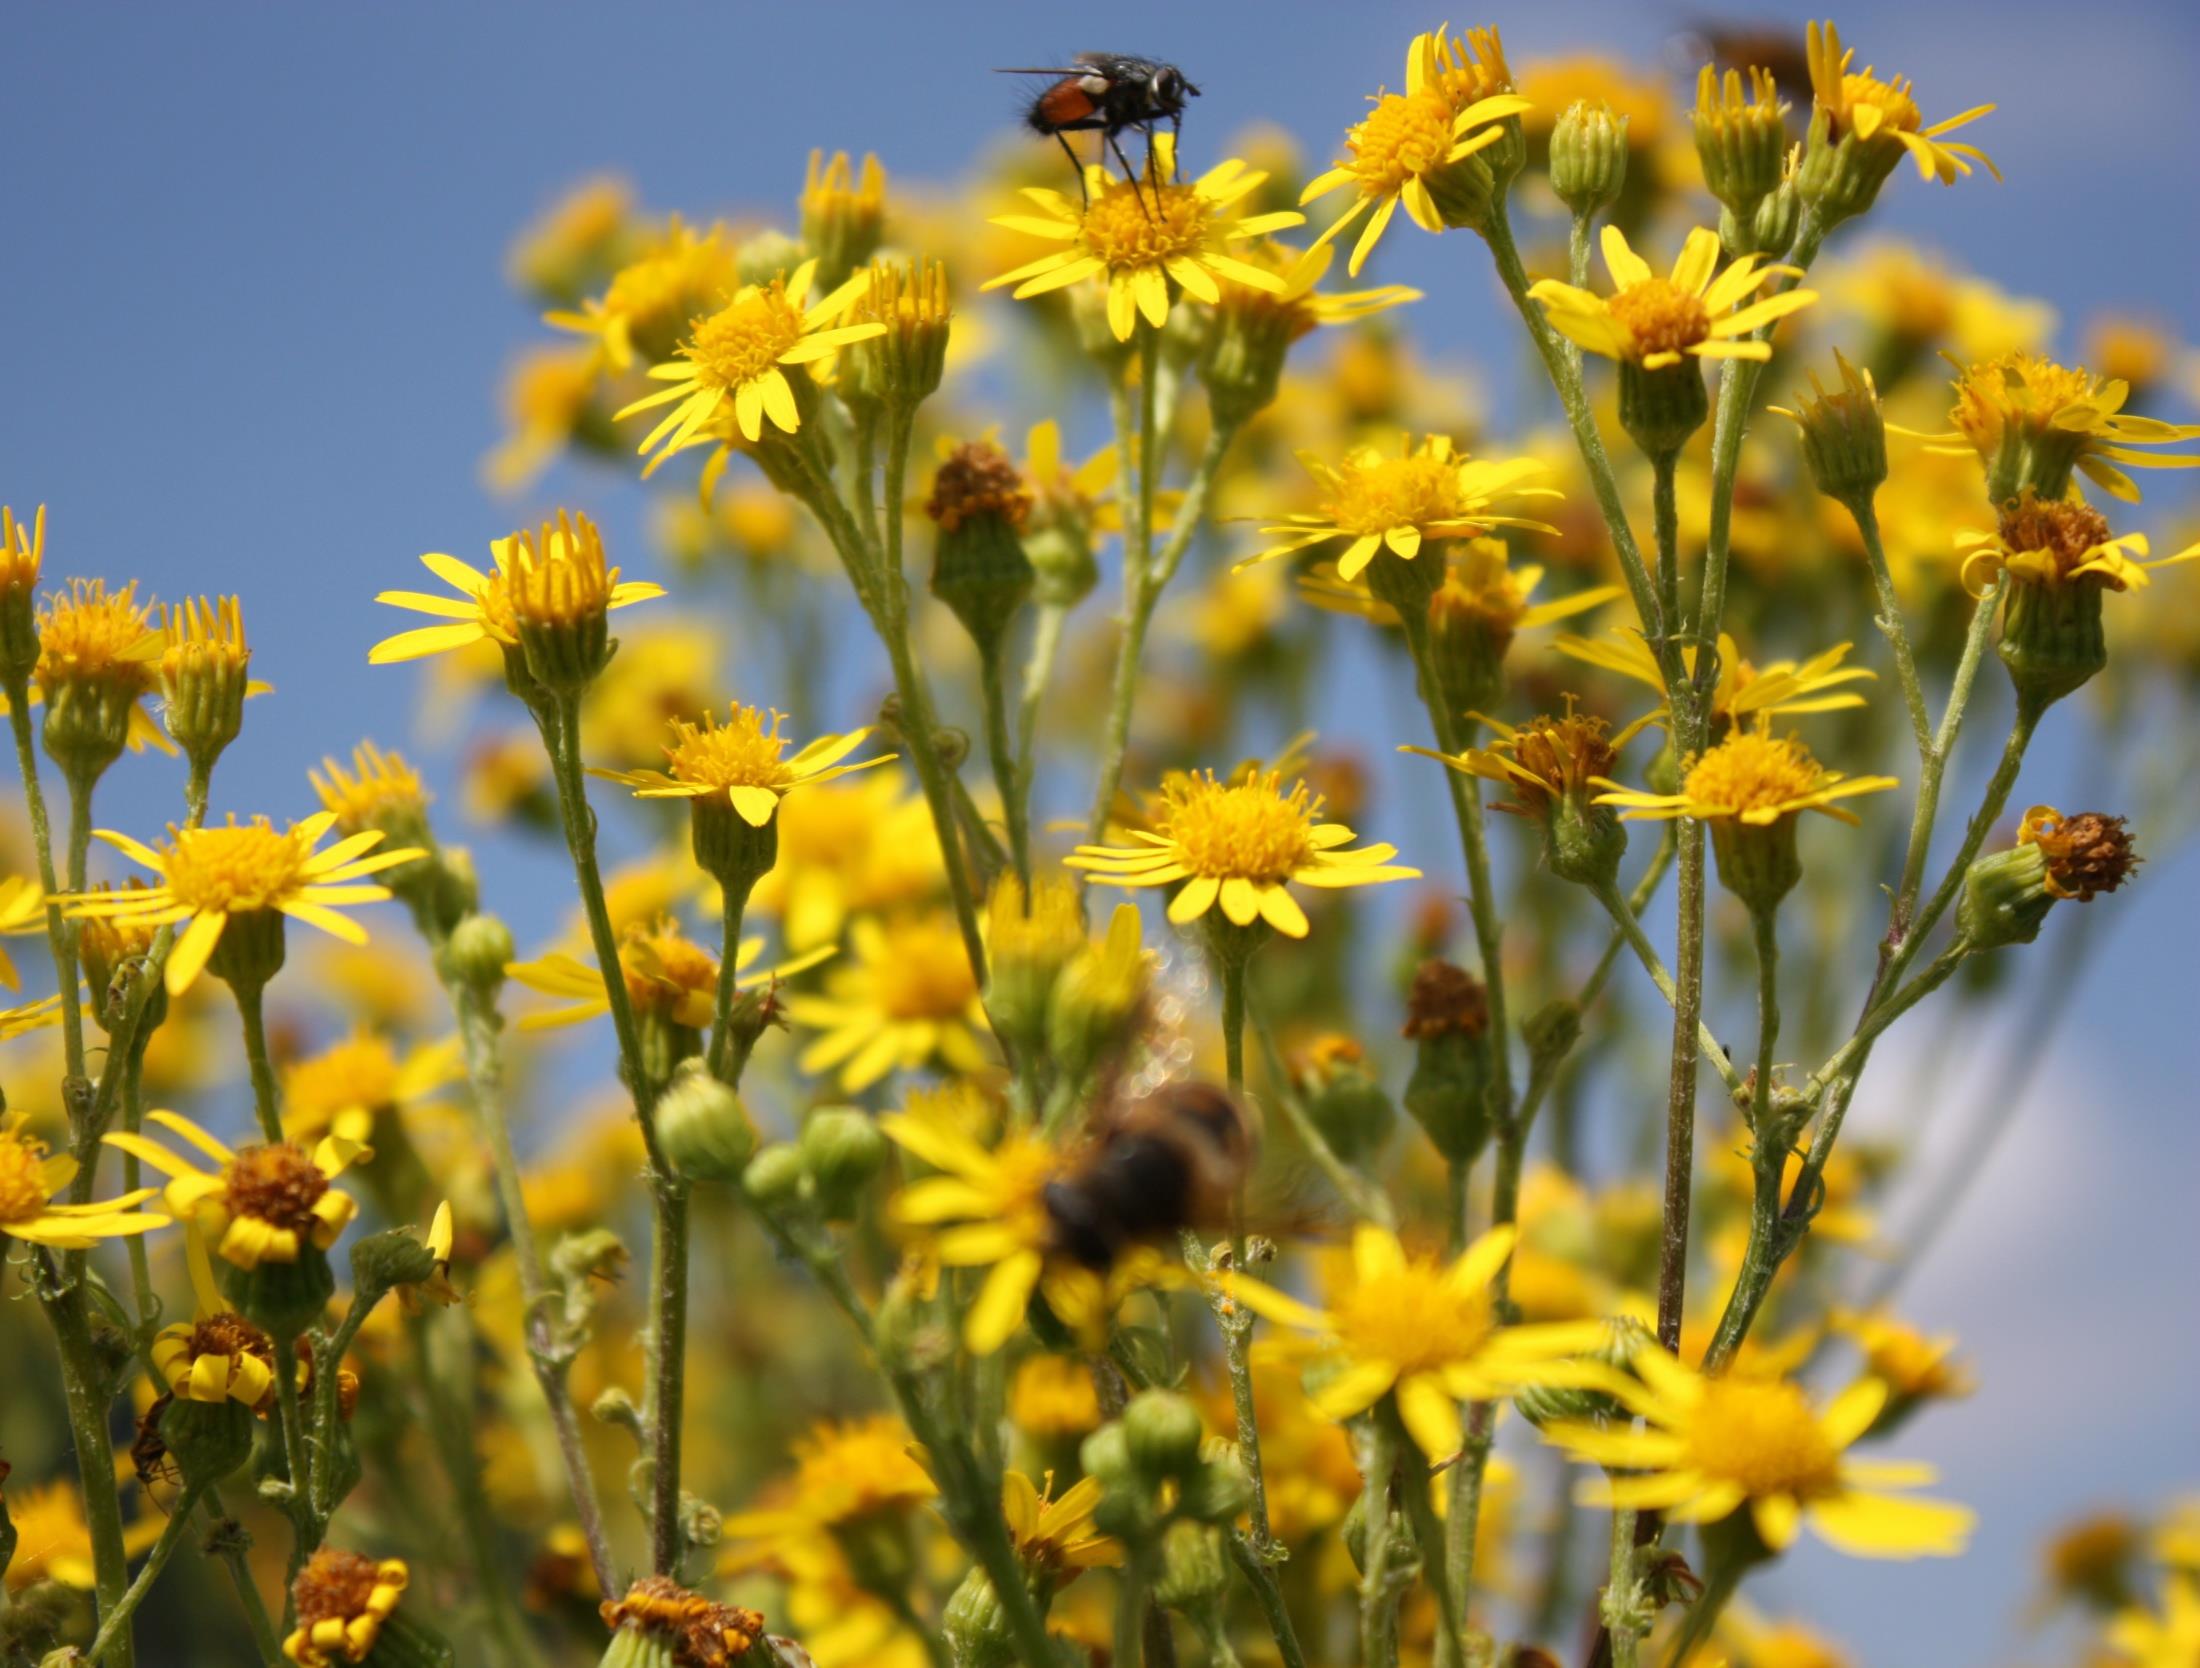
(977, 479)
(852, 1470)
(744, 338)
(555, 576)
(1414, 1318)
(1404, 135)
(1660, 317)
(88, 633)
(2021, 390)
(1749, 771)
(1376, 495)
(1564, 752)
(23, 1187)
(2066, 530)
(741, 753)
(664, 287)
(1761, 1437)
(234, 868)
(662, 965)
(1898, 110)
(275, 1183)
(1130, 224)
(334, 1586)
(925, 974)
(2086, 854)
(1250, 830)
(231, 1335)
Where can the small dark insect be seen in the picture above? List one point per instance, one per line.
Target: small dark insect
(1108, 93)
(1171, 1160)
(149, 1454)
(1742, 46)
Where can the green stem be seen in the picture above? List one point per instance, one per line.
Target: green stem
(1130, 1609)
(1046, 644)
(232, 1554)
(1002, 749)
(1764, 928)
(112, 1624)
(1429, 1534)
(1233, 1021)
(1464, 1509)
(1378, 1639)
(1621, 1610)
(1933, 772)
(1629, 930)
(290, 1421)
(84, 1390)
(1665, 524)
(266, 1099)
(60, 937)
(1891, 624)
(736, 902)
(668, 1361)
(1720, 1582)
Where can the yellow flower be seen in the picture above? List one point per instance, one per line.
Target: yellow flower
(2170, 1640)
(22, 551)
(344, 1088)
(218, 1356)
(1457, 98)
(2034, 420)
(1239, 845)
(1141, 235)
(1299, 308)
(656, 293)
(2059, 543)
(28, 1179)
(1744, 691)
(1653, 322)
(577, 232)
(22, 910)
(1752, 777)
(1864, 105)
(550, 576)
(209, 876)
(30, 1016)
(667, 973)
(54, 1543)
(1423, 1331)
(740, 759)
(742, 352)
(1378, 500)
(1715, 1445)
(1052, 1397)
(379, 790)
(662, 668)
(343, 1602)
(548, 394)
(1542, 761)
(845, 1471)
(1055, 1539)
(263, 1203)
(908, 998)
(1911, 1365)
(90, 636)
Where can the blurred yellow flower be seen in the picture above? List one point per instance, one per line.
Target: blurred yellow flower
(907, 998)
(28, 1179)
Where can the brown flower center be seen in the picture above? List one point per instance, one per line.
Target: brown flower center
(334, 1586)
(977, 479)
(702, 1633)
(2065, 529)
(1446, 998)
(275, 1183)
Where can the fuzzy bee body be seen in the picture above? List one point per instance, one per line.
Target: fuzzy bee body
(1173, 1159)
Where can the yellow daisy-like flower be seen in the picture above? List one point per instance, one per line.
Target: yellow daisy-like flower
(1299, 308)
(342, 1090)
(1056, 1539)
(1912, 1365)
(1694, 311)
(667, 973)
(1458, 95)
(987, 1209)
(262, 1203)
(343, 1601)
(651, 297)
(845, 1471)
(850, 848)
(28, 1179)
(210, 875)
(1396, 501)
(2026, 414)
(1483, 595)
(108, 640)
(2059, 543)
(551, 575)
(1140, 236)
(54, 1542)
(908, 997)
(1744, 691)
(742, 353)
(2168, 1640)
(1239, 845)
(740, 759)
(218, 1356)
(1715, 1445)
(1752, 777)
(1421, 1330)
(1862, 104)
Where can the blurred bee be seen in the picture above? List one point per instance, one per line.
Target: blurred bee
(1107, 93)
(1742, 46)
(1171, 1159)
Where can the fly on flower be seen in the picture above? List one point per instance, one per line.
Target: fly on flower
(1107, 93)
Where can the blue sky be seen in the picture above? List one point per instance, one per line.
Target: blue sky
(256, 316)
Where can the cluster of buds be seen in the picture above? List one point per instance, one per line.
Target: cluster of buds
(1741, 138)
(1156, 1467)
(2007, 894)
(824, 1170)
(22, 560)
(843, 215)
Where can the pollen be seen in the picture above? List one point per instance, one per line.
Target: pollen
(744, 752)
(1405, 135)
(2065, 529)
(1130, 224)
(557, 576)
(744, 338)
(23, 1189)
(926, 975)
(377, 789)
(1661, 317)
(1375, 493)
(1415, 1317)
(2019, 390)
(275, 1183)
(231, 1335)
(1751, 771)
(1763, 1438)
(88, 632)
(977, 479)
(701, 1632)
(1250, 830)
(2087, 854)
(235, 868)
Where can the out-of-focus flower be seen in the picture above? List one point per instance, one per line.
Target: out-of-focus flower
(29, 1179)
(906, 997)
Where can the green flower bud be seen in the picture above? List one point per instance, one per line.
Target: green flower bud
(775, 1177)
(250, 949)
(903, 367)
(1345, 1100)
(703, 1127)
(209, 1440)
(22, 560)
(204, 668)
(1106, 1454)
(843, 216)
(976, 1627)
(1741, 137)
(1163, 1430)
(395, 1257)
(1841, 175)
(97, 655)
(1757, 862)
(1661, 408)
(1844, 435)
(283, 1299)
(1769, 229)
(1218, 1489)
(765, 255)
(979, 502)
(1194, 1571)
(1542, 1404)
(728, 847)
(1030, 939)
(842, 1150)
(1448, 1095)
(1588, 156)
(2007, 894)
(477, 953)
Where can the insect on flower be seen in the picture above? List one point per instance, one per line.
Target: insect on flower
(1107, 93)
